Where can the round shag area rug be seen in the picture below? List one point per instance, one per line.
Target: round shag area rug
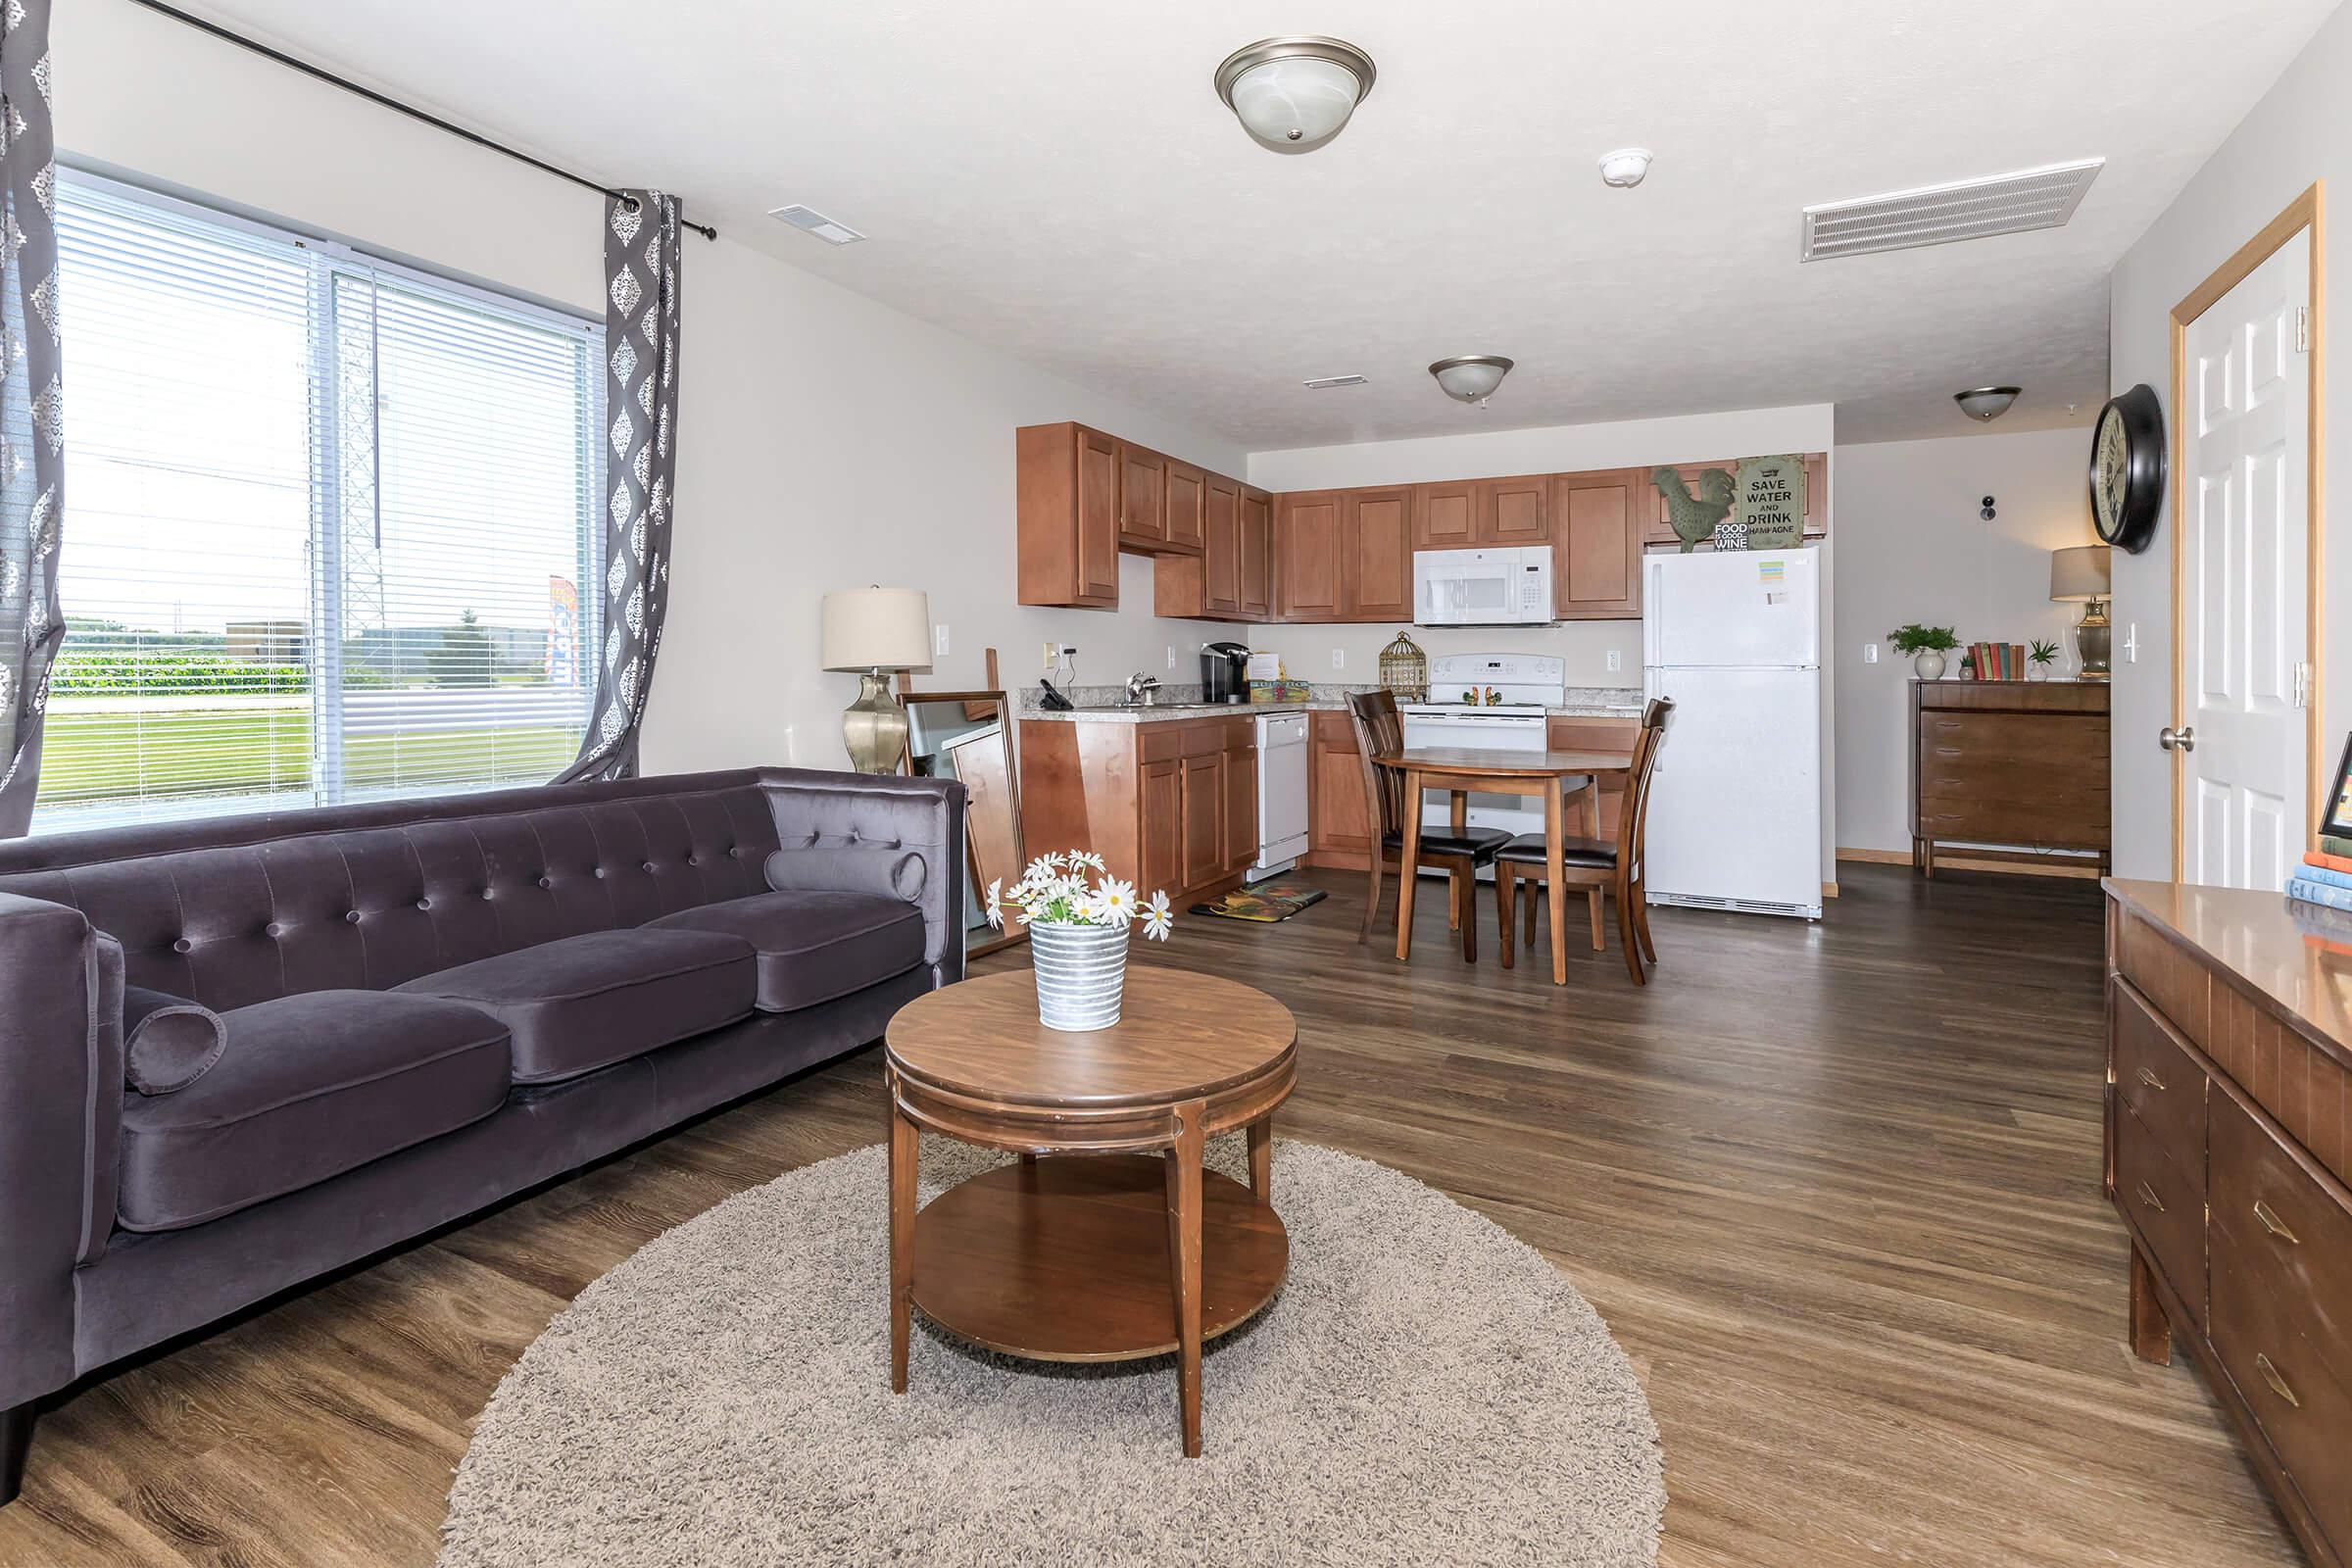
(1425, 1389)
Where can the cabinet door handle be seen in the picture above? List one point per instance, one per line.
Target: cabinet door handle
(2147, 1197)
(2270, 1375)
(2274, 1224)
(2150, 1079)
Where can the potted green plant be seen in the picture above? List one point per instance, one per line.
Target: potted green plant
(1927, 645)
(2041, 656)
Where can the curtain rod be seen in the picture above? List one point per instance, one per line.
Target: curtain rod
(393, 104)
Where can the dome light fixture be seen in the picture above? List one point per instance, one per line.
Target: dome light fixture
(1985, 404)
(1471, 378)
(1293, 93)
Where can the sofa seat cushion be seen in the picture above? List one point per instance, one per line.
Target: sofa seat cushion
(814, 946)
(587, 1002)
(307, 1087)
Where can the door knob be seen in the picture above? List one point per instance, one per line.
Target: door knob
(2183, 739)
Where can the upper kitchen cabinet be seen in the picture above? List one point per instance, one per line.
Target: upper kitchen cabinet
(1228, 580)
(1068, 517)
(1257, 555)
(1658, 517)
(1143, 498)
(1596, 522)
(1512, 512)
(1185, 510)
(1445, 515)
(1307, 554)
(1376, 555)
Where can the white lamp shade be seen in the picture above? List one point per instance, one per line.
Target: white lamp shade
(2079, 572)
(875, 628)
(1296, 102)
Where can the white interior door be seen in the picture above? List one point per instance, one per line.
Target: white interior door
(2245, 470)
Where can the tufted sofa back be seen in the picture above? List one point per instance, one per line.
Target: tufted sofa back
(242, 910)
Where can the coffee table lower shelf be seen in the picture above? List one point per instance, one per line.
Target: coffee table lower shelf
(1068, 1259)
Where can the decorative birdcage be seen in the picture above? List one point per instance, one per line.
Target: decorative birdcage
(1404, 671)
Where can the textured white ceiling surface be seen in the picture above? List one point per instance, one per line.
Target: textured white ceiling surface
(1057, 179)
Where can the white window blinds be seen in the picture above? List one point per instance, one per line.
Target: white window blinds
(327, 523)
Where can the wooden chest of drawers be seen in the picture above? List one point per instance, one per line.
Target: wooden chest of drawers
(2229, 1145)
(2009, 762)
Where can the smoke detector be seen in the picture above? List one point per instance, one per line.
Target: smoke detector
(1938, 215)
(1624, 168)
(808, 221)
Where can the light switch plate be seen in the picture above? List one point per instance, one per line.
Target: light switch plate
(1338, 658)
(1869, 652)
(1171, 656)
(1050, 650)
(938, 640)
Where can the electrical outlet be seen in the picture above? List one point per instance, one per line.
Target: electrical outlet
(1050, 651)
(1171, 656)
(1616, 658)
(938, 640)
(1869, 652)
(2132, 642)
(1338, 658)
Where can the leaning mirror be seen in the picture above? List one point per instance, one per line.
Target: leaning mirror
(963, 735)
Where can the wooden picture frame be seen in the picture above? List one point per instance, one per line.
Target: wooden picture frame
(1011, 855)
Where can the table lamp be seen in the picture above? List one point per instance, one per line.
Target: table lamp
(864, 632)
(2080, 572)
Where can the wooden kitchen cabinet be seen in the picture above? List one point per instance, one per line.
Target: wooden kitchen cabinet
(1257, 555)
(1512, 512)
(1376, 541)
(1067, 515)
(1208, 586)
(1143, 499)
(1339, 819)
(1596, 545)
(1445, 515)
(1307, 554)
(1187, 501)
(1168, 803)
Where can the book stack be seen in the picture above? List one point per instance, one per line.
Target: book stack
(1998, 660)
(2324, 879)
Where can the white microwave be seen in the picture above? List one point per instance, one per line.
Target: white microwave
(1483, 587)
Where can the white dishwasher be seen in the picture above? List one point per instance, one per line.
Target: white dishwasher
(1281, 794)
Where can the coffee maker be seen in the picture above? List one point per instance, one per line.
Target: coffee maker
(1224, 672)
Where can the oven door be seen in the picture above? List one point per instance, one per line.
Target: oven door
(1523, 733)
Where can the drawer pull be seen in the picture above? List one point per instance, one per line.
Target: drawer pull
(2275, 1225)
(2149, 1197)
(2270, 1375)
(2150, 1079)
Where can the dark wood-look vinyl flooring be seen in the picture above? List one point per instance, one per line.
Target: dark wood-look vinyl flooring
(1836, 1189)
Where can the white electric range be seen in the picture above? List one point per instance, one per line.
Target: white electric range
(1490, 702)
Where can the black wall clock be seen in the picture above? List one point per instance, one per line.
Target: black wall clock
(2126, 469)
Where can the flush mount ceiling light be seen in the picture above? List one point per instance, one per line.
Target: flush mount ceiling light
(1624, 168)
(1293, 93)
(1985, 404)
(1471, 378)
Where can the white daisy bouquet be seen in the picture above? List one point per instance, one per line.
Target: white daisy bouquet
(1057, 890)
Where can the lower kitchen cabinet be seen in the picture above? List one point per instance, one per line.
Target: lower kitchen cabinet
(1339, 817)
(1168, 803)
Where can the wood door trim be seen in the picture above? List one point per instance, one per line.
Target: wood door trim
(2307, 210)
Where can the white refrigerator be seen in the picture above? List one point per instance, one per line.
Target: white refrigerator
(1733, 637)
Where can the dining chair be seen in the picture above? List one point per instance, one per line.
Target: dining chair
(1378, 728)
(1594, 864)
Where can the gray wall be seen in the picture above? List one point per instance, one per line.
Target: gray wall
(2300, 131)
(1911, 547)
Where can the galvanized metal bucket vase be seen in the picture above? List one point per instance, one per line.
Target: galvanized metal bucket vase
(1081, 973)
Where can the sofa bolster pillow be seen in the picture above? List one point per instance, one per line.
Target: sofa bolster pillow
(169, 1042)
(892, 873)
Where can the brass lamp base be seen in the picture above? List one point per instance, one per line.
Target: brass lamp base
(874, 727)
(2093, 641)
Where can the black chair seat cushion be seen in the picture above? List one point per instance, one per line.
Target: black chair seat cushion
(814, 946)
(587, 1002)
(1593, 854)
(1479, 843)
(308, 1087)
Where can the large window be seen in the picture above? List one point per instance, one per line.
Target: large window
(331, 525)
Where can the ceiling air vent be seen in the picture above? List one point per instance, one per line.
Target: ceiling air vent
(1322, 381)
(808, 221)
(1936, 215)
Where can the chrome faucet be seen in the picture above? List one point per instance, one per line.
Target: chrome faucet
(1143, 691)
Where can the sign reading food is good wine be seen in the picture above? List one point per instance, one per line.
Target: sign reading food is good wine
(1770, 502)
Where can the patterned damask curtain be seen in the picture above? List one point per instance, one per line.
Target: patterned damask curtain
(641, 393)
(32, 432)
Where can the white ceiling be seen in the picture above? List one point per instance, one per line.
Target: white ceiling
(1057, 179)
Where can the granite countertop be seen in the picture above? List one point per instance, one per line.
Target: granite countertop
(1103, 705)
(1159, 713)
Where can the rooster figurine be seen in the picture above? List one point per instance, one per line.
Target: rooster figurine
(1695, 517)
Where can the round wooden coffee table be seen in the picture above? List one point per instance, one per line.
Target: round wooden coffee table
(1138, 1252)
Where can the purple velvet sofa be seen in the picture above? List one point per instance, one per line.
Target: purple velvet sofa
(238, 1053)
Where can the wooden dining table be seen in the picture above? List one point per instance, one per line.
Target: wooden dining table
(1540, 775)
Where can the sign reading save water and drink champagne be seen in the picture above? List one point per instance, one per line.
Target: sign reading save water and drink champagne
(1769, 501)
